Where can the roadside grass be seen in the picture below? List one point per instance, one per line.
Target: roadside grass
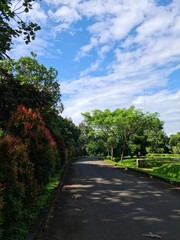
(161, 165)
(46, 195)
(32, 214)
(42, 200)
(169, 171)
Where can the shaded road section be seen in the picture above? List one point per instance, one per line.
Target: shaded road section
(101, 202)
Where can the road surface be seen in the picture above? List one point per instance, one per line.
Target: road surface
(101, 202)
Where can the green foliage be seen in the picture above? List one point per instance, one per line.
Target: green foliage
(175, 143)
(124, 131)
(95, 147)
(36, 76)
(65, 133)
(101, 137)
(110, 159)
(151, 163)
(158, 141)
(157, 160)
(13, 93)
(71, 134)
(10, 16)
(1, 133)
(128, 163)
(42, 199)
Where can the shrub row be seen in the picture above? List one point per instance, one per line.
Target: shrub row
(28, 158)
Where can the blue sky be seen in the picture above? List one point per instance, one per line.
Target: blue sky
(111, 54)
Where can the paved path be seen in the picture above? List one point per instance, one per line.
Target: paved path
(100, 202)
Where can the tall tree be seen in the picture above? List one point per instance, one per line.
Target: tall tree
(30, 72)
(100, 125)
(13, 92)
(10, 16)
(128, 122)
(158, 141)
(123, 128)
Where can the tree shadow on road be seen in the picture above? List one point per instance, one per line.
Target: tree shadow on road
(102, 202)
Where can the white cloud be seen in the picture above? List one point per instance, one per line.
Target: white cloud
(103, 50)
(113, 90)
(20, 49)
(167, 104)
(92, 68)
(86, 49)
(36, 14)
(56, 3)
(64, 15)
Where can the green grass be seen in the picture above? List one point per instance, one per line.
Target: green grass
(45, 196)
(41, 202)
(169, 171)
(164, 155)
(164, 166)
(32, 214)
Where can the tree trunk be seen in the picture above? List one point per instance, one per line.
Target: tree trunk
(108, 152)
(122, 152)
(112, 152)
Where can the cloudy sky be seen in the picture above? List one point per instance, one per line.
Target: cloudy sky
(111, 54)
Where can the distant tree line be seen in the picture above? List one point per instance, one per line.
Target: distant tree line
(126, 132)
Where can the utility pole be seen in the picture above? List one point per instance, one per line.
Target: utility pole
(144, 100)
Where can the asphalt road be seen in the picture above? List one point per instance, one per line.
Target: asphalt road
(101, 202)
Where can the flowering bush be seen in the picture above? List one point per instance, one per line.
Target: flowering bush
(29, 126)
(18, 187)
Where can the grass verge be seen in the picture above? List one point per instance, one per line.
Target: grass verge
(165, 168)
(43, 199)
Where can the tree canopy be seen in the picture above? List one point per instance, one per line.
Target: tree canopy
(35, 79)
(123, 130)
(175, 142)
(12, 26)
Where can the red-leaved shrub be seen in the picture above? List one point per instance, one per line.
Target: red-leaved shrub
(29, 126)
(18, 188)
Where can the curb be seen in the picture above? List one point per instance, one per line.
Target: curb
(155, 177)
(173, 183)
